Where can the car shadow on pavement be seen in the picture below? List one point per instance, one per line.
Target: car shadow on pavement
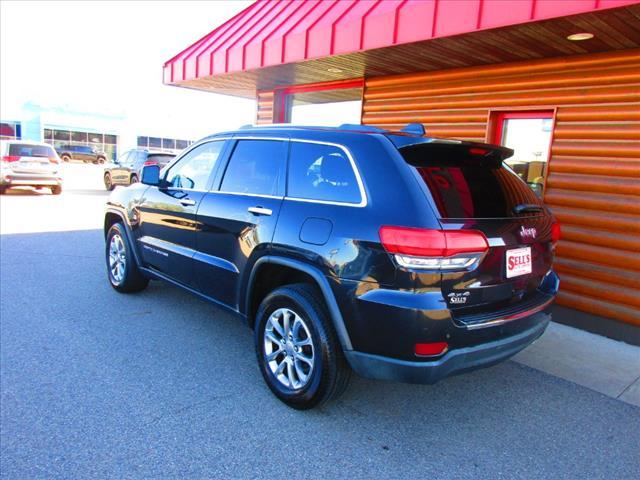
(161, 375)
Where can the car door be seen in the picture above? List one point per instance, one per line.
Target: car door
(167, 213)
(120, 172)
(237, 220)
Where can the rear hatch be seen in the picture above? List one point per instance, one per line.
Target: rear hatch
(25, 158)
(469, 188)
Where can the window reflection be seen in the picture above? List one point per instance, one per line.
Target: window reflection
(530, 139)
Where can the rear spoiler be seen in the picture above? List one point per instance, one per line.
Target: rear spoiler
(453, 151)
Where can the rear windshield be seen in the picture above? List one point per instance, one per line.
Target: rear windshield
(26, 150)
(463, 186)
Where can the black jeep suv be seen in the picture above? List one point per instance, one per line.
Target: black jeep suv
(395, 255)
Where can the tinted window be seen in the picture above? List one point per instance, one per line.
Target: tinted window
(467, 187)
(321, 172)
(255, 167)
(194, 169)
(26, 150)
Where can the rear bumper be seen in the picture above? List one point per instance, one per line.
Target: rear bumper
(27, 179)
(453, 362)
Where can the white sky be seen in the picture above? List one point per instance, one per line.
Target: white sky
(107, 57)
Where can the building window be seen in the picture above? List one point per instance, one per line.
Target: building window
(326, 104)
(529, 135)
(172, 145)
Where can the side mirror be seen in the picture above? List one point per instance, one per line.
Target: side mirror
(151, 175)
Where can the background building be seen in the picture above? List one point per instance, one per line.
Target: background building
(558, 81)
(61, 125)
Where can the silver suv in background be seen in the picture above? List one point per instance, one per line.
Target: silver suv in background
(30, 164)
(126, 169)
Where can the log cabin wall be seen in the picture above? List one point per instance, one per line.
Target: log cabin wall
(265, 107)
(593, 184)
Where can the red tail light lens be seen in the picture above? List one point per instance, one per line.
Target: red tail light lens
(10, 158)
(555, 232)
(431, 349)
(150, 162)
(432, 243)
(434, 249)
(54, 160)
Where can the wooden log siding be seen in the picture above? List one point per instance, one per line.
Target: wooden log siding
(265, 107)
(593, 185)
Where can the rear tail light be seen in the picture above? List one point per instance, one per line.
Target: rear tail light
(434, 249)
(10, 158)
(150, 162)
(431, 349)
(555, 232)
(54, 160)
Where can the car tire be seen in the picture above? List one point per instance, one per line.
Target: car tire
(56, 190)
(315, 369)
(122, 269)
(101, 160)
(134, 179)
(66, 158)
(108, 183)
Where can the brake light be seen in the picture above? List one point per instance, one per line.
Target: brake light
(54, 160)
(150, 162)
(10, 158)
(555, 232)
(478, 151)
(434, 249)
(431, 349)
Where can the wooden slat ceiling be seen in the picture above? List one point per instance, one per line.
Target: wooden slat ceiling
(614, 29)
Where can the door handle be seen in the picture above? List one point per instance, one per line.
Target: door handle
(187, 202)
(259, 211)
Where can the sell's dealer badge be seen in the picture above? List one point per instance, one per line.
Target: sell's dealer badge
(518, 262)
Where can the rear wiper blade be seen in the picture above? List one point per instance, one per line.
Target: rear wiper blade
(527, 208)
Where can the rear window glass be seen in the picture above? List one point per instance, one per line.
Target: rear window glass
(26, 150)
(321, 172)
(468, 187)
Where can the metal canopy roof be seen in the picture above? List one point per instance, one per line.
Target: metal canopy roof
(270, 34)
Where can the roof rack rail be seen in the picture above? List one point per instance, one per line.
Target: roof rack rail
(249, 126)
(361, 128)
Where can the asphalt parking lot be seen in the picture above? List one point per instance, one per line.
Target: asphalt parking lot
(96, 384)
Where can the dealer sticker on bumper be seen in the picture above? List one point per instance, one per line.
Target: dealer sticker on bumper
(518, 262)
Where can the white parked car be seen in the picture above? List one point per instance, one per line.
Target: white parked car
(32, 164)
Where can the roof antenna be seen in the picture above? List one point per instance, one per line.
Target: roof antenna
(414, 129)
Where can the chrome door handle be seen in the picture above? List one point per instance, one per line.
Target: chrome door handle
(188, 202)
(259, 211)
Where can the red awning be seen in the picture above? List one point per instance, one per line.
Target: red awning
(276, 32)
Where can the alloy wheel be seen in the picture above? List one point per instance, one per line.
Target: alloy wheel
(288, 348)
(117, 258)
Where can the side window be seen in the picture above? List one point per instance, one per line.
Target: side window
(124, 158)
(194, 169)
(255, 167)
(138, 159)
(321, 172)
